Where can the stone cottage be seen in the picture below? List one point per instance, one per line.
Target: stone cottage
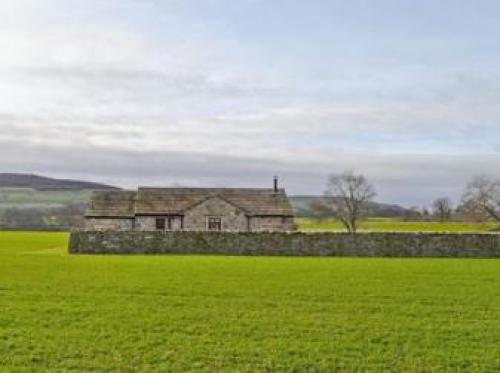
(191, 209)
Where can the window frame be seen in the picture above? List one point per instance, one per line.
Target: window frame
(160, 223)
(217, 220)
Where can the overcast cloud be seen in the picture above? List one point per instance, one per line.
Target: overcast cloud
(224, 92)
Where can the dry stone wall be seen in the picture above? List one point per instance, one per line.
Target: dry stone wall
(288, 244)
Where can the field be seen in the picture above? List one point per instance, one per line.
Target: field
(398, 225)
(161, 313)
(31, 198)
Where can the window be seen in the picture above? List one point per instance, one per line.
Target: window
(165, 224)
(214, 223)
(160, 224)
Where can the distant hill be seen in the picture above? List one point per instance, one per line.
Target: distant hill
(301, 205)
(38, 202)
(42, 183)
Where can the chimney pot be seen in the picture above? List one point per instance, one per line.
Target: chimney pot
(276, 184)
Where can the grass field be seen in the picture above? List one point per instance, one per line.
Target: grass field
(397, 225)
(31, 198)
(158, 313)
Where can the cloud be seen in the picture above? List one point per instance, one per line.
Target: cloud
(409, 179)
(161, 92)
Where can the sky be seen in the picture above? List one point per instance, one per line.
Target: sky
(233, 92)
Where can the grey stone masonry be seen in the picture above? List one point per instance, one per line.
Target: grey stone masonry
(190, 209)
(288, 244)
(111, 224)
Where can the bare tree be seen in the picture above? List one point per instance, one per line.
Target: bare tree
(412, 213)
(349, 194)
(483, 194)
(320, 209)
(442, 208)
(472, 212)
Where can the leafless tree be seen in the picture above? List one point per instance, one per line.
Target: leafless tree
(483, 194)
(320, 209)
(442, 208)
(471, 212)
(349, 194)
(413, 213)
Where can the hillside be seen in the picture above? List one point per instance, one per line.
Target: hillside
(14, 180)
(301, 205)
(32, 201)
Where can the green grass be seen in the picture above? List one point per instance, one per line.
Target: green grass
(396, 225)
(164, 313)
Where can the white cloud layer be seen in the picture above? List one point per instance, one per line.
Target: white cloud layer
(138, 92)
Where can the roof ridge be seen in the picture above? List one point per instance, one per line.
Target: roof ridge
(205, 188)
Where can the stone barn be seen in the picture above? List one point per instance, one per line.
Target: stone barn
(191, 209)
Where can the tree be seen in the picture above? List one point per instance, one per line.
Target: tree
(349, 194)
(23, 218)
(320, 209)
(411, 214)
(425, 213)
(69, 216)
(472, 212)
(482, 194)
(442, 208)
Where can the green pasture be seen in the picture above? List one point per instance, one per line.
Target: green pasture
(214, 313)
(397, 225)
(31, 198)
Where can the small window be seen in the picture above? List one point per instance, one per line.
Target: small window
(170, 219)
(214, 223)
(160, 224)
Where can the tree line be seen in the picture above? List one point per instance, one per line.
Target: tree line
(65, 217)
(348, 195)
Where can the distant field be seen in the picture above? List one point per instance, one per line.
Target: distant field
(31, 198)
(389, 224)
(172, 313)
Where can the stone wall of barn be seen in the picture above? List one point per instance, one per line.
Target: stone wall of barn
(233, 218)
(109, 224)
(148, 223)
(288, 244)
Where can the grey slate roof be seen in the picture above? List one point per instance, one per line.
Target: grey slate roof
(111, 204)
(162, 201)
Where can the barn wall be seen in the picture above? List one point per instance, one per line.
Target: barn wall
(233, 218)
(109, 224)
(148, 223)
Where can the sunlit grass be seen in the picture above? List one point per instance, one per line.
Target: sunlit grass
(396, 225)
(173, 313)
